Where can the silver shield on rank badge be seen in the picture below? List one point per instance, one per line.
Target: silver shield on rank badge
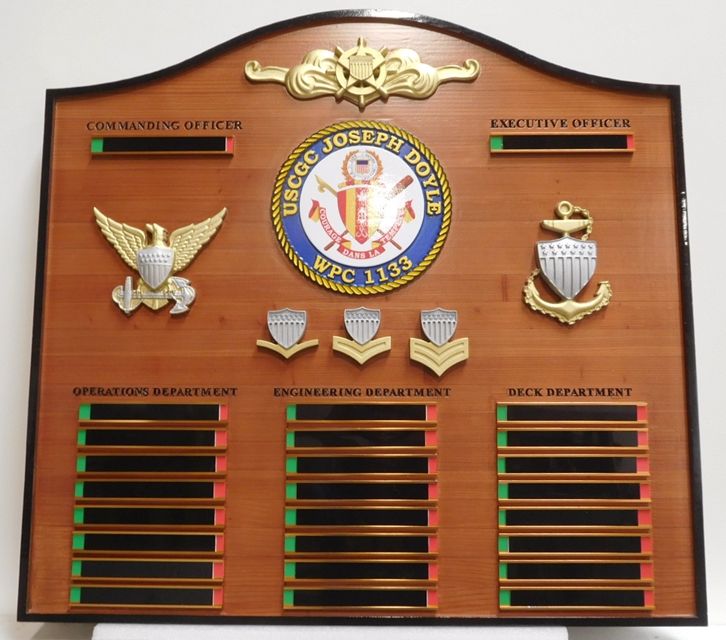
(286, 326)
(439, 325)
(362, 324)
(567, 264)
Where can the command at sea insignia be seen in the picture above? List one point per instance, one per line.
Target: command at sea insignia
(567, 265)
(157, 260)
(361, 207)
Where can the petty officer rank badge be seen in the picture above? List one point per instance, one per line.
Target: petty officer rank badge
(361, 207)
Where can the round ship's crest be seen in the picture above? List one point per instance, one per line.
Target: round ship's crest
(361, 207)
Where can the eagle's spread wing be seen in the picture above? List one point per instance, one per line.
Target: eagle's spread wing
(187, 241)
(127, 240)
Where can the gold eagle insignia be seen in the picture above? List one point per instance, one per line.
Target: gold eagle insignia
(157, 260)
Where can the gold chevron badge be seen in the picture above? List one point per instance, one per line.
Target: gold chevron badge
(362, 325)
(439, 354)
(287, 327)
(157, 261)
(362, 75)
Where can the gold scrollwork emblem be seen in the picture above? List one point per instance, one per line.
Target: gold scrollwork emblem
(362, 75)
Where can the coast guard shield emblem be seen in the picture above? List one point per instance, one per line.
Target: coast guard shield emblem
(362, 324)
(439, 325)
(155, 264)
(286, 326)
(567, 263)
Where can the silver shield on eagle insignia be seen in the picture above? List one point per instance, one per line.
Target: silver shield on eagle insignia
(439, 325)
(286, 326)
(362, 324)
(155, 264)
(567, 264)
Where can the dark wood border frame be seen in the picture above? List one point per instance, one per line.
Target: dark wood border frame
(672, 92)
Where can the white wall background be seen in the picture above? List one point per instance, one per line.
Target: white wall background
(65, 43)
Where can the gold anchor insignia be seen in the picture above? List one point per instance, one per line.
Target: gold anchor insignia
(362, 75)
(567, 264)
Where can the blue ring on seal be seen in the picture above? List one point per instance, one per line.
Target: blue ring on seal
(376, 276)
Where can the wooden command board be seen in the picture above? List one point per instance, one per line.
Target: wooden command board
(355, 316)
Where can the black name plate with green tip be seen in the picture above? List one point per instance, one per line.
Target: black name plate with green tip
(573, 491)
(575, 570)
(151, 542)
(358, 438)
(571, 438)
(359, 464)
(550, 543)
(94, 437)
(149, 464)
(342, 491)
(146, 596)
(371, 517)
(150, 145)
(574, 517)
(153, 412)
(371, 570)
(157, 490)
(371, 543)
(357, 598)
(358, 412)
(562, 143)
(150, 516)
(581, 412)
(577, 598)
(115, 569)
(571, 464)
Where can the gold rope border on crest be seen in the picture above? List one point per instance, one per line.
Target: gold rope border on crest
(354, 289)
